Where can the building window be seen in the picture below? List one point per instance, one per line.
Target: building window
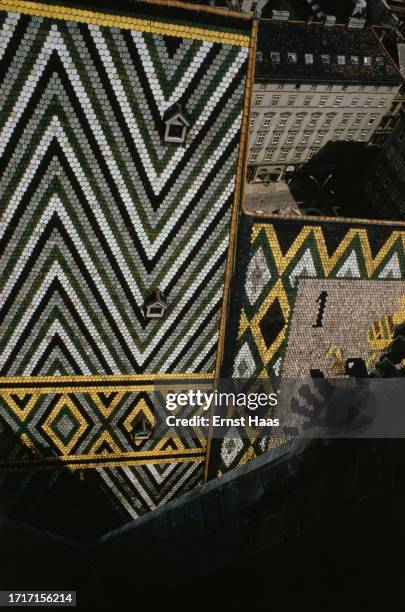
(312, 152)
(307, 100)
(344, 87)
(283, 154)
(297, 154)
(358, 120)
(253, 118)
(367, 60)
(363, 135)
(341, 60)
(372, 118)
(355, 60)
(276, 138)
(262, 85)
(258, 100)
(345, 119)
(368, 102)
(291, 137)
(323, 100)
(314, 119)
(328, 119)
(305, 137)
(291, 100)
(298, 120)
(319, 137)
(382, 101)
(275, 100)
(325, 59)
(329, 87)
(355, 101)
(283, 119)
(351, 134)
(309, 58)
(338, 101)
(260, 138)
(269, 154)
(275, 57)
(379, 60)
(267, 119)
(292, 58)
(280, 86)
(297, 86)
(254, 154)
(337, 134)
(259, 56)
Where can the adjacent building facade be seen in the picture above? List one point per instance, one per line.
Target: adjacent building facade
(383, 188)
(315, 83)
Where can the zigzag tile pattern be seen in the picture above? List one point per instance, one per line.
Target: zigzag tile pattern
(96, 212)
(273, 255)
(87, 425)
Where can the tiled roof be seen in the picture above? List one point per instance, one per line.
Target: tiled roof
(324, 44)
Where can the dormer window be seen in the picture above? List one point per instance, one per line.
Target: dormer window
(367, 60)
(341, 60)
(355, 60)
(309, 58)
(292, 58)
(155, 305)
(177, 125)
(325, 58)
(275, 57)
(379, 60)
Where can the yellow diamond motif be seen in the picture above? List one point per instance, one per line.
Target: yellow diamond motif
(65, 425)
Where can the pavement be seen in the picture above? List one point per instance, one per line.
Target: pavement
(280, 198)
(271, 198)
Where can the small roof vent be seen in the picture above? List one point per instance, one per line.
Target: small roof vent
(356, 24)
(330, 21)
(280, 15)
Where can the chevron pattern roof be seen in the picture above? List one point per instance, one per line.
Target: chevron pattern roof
(97, 213)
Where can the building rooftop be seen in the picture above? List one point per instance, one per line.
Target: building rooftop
(296, 8)
(301, 51)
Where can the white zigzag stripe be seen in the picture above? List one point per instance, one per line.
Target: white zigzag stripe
(7, 32)
(153, 80)
(57, 272)
(56, 328)
(56, 130)
(8, 129)
(158, 181)
(56, 205)
(192, 329)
